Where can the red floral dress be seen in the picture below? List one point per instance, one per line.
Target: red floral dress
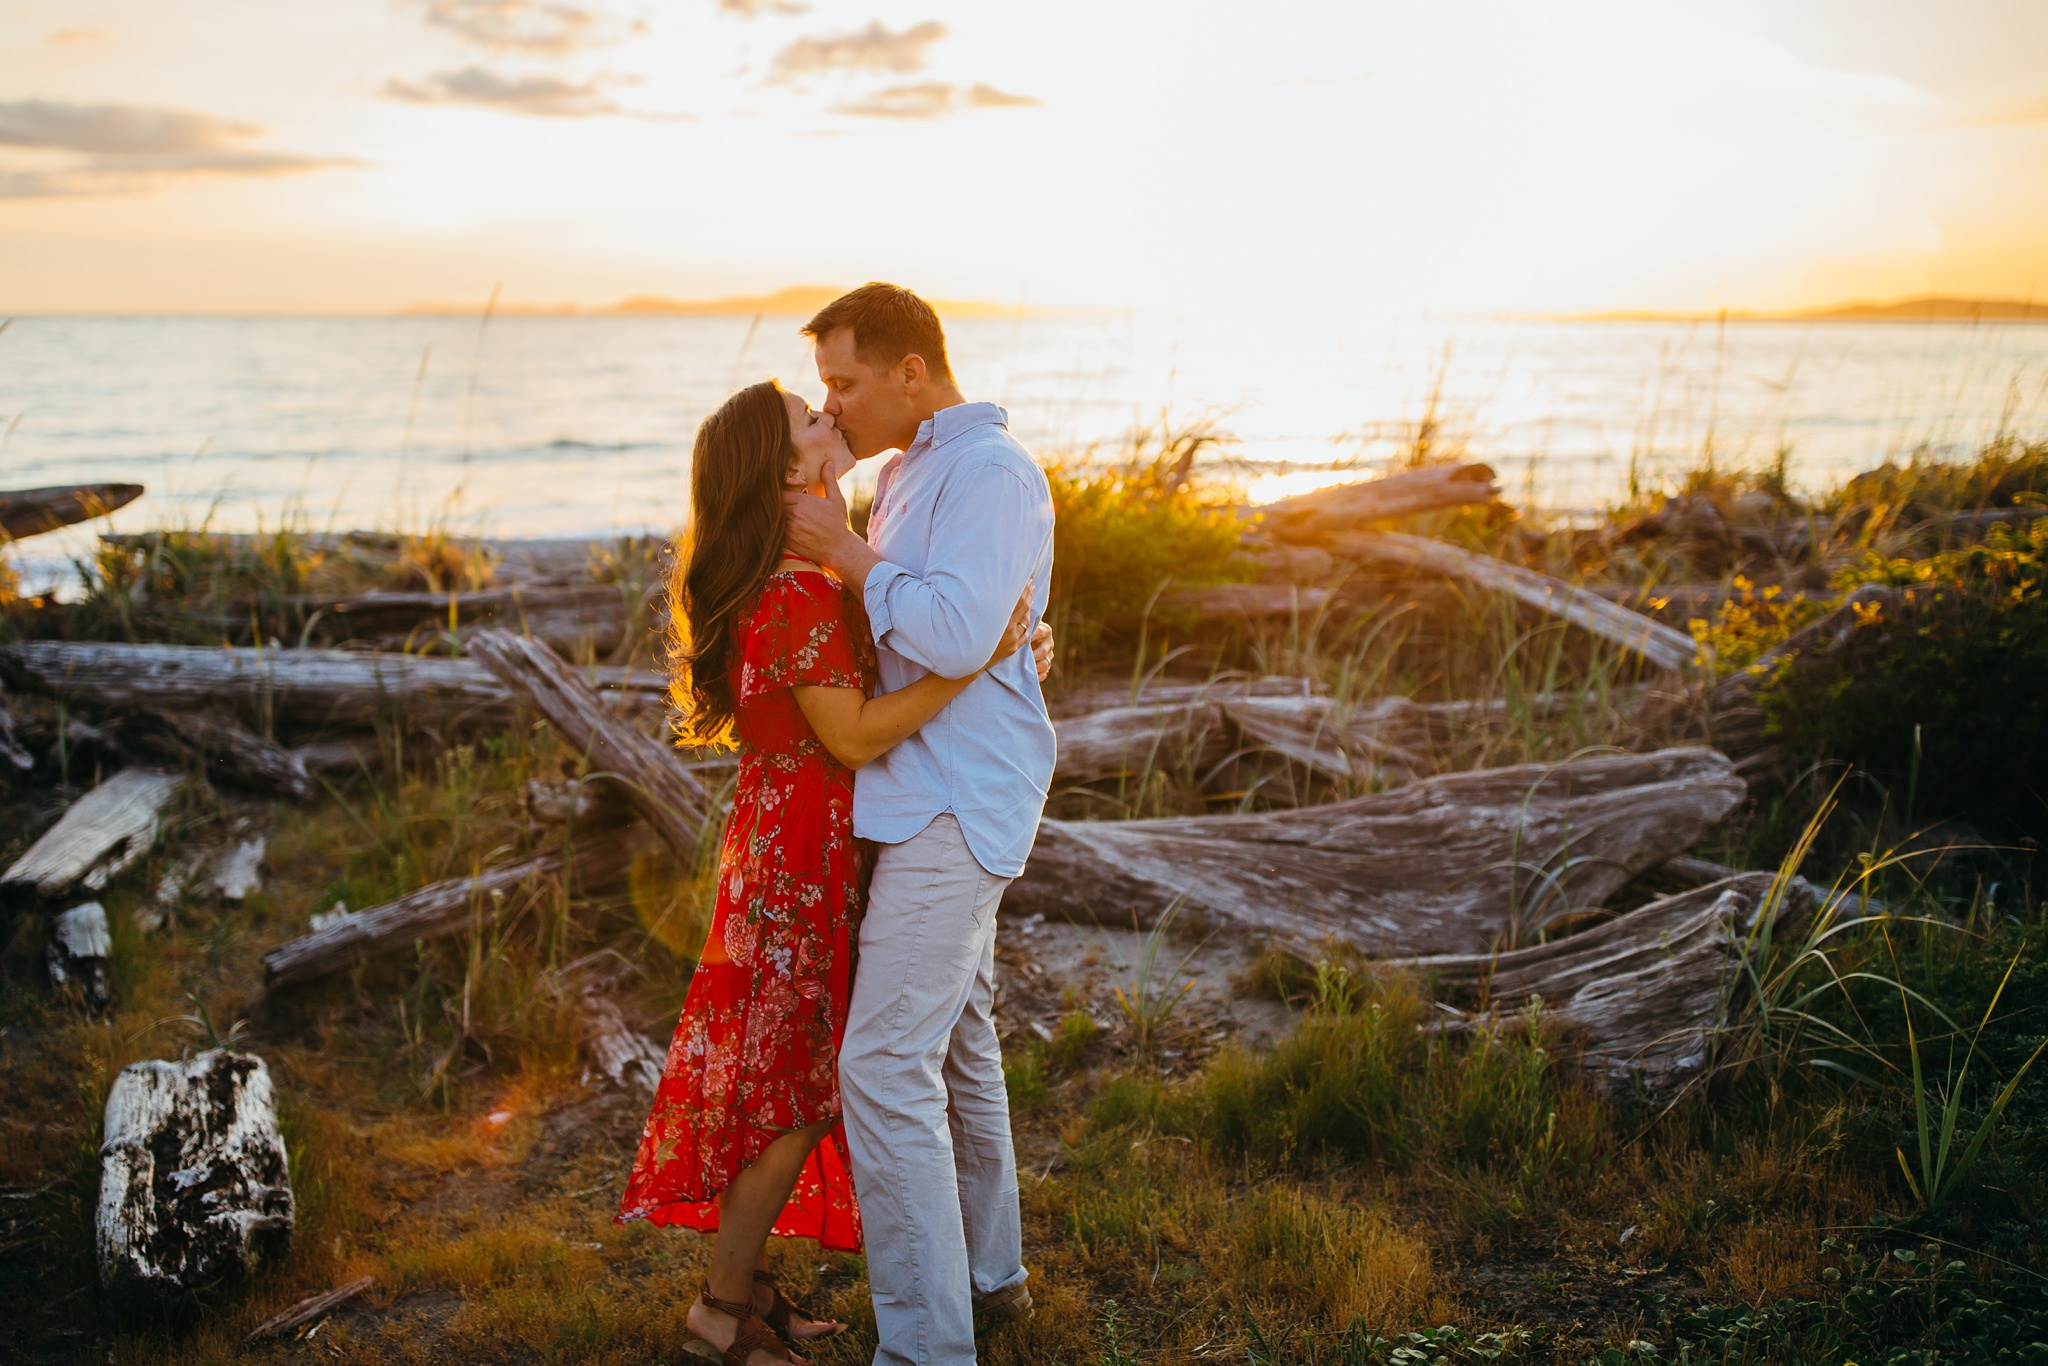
(756, 1052)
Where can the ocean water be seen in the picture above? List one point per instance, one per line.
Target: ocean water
(574, 425)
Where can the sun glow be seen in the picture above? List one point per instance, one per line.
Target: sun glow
(1584, 154)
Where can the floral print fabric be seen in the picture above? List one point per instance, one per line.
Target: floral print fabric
(755, 1053)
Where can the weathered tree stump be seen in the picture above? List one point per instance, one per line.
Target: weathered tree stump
(100, 835)
(77, 952)
(193, 1181)
(1462, 863)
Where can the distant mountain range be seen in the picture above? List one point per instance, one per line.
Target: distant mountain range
(1929, 308)
(797, 301)
(801, 301)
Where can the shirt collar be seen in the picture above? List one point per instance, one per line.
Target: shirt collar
(949, 423)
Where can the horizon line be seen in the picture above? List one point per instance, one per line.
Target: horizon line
(805, 300)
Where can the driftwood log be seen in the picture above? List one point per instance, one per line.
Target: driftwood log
(1640, 997)
(1249, 601)
(646, 772)
(593, 861)
(1632, 631)
(582, 621)
(308, 689)
(226, 751)
(1118, 732)
(1347, 507)
(1178, 727)
(539, 560)
(1464, 863)
(193, 1183)
(31, 512)
(96, 838)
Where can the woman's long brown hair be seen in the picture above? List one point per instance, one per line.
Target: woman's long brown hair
(737, 521)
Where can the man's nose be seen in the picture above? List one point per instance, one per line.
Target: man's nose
(832, 405)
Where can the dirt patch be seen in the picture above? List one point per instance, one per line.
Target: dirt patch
(1048, 969)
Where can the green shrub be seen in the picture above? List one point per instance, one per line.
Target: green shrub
(2003, 473)
(1360, 1077)
(1940, 694)
(1122, 534)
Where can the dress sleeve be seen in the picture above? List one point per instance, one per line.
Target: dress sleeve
(799, 636)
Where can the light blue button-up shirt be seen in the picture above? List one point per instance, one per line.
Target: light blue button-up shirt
(962, 521)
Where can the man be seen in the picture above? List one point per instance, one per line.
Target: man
(962, 523)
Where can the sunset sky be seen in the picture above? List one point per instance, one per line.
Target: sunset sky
(367, 155)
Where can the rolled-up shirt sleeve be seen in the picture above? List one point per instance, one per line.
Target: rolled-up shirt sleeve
(987, 531)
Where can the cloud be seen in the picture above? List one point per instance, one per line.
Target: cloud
(519, 25)
(79, 35)
(116, 129)
(988, 97)
(750, 8)
(930, 100)
(874, 48)
(537, 96)
(131, 149)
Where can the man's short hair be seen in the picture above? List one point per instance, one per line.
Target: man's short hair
(889, 323)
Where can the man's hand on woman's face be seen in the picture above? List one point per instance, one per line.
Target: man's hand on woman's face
(818, 531)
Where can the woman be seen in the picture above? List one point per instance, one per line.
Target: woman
(776, 656)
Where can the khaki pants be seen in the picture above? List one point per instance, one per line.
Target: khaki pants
(927, 1115)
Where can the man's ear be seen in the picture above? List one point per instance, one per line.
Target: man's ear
(912, 370)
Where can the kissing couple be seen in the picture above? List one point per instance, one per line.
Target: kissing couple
(836, 1073)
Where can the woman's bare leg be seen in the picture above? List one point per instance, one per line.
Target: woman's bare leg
(746, 1212)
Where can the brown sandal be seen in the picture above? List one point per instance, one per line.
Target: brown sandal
(781, 1309)
(753, 1334)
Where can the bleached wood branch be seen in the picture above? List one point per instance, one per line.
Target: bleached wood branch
(1632, 631)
